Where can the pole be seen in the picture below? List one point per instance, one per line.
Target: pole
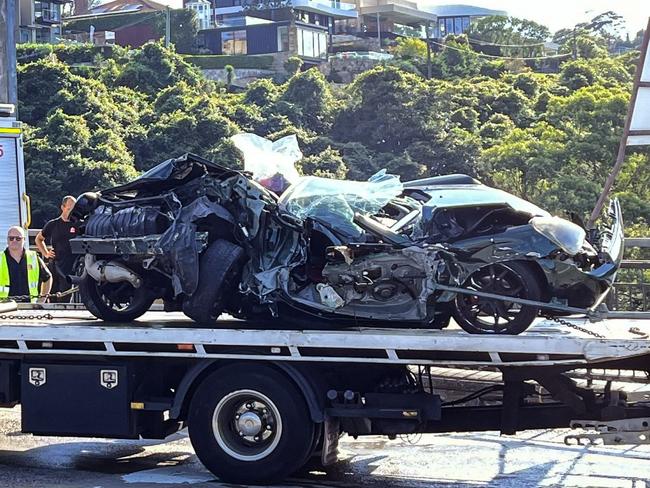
(168, 26)
(12, 81)
(8, 51)
(426, 31)
(378, 31)
(620, 157)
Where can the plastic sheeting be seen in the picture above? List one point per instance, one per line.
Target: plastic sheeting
(336, 201)
(271, 163)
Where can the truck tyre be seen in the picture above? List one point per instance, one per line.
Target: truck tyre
(219, 270)
(250, 424)
(114, 302)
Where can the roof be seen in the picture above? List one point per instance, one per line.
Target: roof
(399, 13)
(462, 11)
(124, 6)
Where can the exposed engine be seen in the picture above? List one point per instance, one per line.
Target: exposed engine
(377, 281)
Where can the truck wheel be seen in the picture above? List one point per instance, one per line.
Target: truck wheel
(478, 315)
(250, 424)
(219, 269)
(114, 302)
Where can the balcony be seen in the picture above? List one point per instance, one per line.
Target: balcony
(47, 13)
(334, 9)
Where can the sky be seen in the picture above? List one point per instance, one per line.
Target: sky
(557, 14)
(554, 14)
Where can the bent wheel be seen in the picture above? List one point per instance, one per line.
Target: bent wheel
(219, 268)
(478, 315)
(250, 424)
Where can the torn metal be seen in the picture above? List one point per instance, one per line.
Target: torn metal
(372, 252)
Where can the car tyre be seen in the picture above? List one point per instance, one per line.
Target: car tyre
(94, 297)
(219, 271)
(521, 275)
(267, 446)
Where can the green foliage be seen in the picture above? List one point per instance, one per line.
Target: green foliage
(153, 68)
(308, 100)
(410, 49)
(487, 32)
(293, 65)
(213, 61)
(97, 118)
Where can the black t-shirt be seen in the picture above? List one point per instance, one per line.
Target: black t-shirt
(18, 284)
(58, 233)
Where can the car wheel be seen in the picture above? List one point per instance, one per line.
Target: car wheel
(478, 315)
(250, 424)
(219, 270)
(114, 302)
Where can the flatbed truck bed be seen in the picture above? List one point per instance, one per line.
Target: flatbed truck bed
(260, 402)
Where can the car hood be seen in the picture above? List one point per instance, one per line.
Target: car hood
(473, 195)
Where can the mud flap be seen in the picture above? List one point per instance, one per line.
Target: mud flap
(331, 434)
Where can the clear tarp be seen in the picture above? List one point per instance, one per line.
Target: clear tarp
(331, 201)
(336, 201)
(271, 163)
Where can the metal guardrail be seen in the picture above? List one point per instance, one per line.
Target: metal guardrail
(632, 297)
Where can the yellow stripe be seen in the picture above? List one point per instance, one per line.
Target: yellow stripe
(10, 130)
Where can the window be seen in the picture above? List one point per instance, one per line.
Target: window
(233, 42)
(312, 43)
(43, 35)
(458, 25)
(283, 38)
(465, 24)
(449, 26)
(441, 28)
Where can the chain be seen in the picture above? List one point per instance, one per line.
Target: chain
(47, 316)
(574, 326)
(58, 294)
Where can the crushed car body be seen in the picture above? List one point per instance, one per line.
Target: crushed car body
(210, 240)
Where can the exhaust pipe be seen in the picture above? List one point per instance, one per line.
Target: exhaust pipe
(110, 271)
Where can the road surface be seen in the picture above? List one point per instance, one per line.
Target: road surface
(535, 458)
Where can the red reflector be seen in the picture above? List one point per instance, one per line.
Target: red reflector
(185, 347)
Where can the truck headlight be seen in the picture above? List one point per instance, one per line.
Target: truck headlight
(567, 235)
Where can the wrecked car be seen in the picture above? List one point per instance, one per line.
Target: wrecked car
(210, 240)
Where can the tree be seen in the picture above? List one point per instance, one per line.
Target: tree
(152, 68)
(292, 65)
(508, 36)
(458, 59)
(230, 76)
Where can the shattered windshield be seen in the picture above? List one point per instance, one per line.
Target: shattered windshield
(336, 201)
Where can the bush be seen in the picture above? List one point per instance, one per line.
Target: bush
(217, 61)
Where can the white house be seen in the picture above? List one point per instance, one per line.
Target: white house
(203, 9)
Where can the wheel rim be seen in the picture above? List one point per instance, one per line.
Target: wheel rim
(492, 315)
(247, 425)
(119, 297)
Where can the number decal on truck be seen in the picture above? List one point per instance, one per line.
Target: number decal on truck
(2, 150)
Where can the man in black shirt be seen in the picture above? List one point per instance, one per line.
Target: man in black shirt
(58, 233)
(22, 271)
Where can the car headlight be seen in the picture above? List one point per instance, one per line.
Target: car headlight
(567, 235)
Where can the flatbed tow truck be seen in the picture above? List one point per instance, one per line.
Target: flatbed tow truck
(260, 403)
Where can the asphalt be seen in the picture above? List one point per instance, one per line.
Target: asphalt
(535, 458)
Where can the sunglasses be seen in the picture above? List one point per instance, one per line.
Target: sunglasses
(14, 238)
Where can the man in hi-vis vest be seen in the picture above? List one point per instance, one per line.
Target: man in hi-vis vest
(22, 272)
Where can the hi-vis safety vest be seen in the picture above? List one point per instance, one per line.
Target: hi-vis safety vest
(33, 272)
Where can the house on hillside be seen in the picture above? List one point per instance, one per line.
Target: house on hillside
(125, 22)
(203, 10)
(456, 19)
(39, 20)
(304, 29)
